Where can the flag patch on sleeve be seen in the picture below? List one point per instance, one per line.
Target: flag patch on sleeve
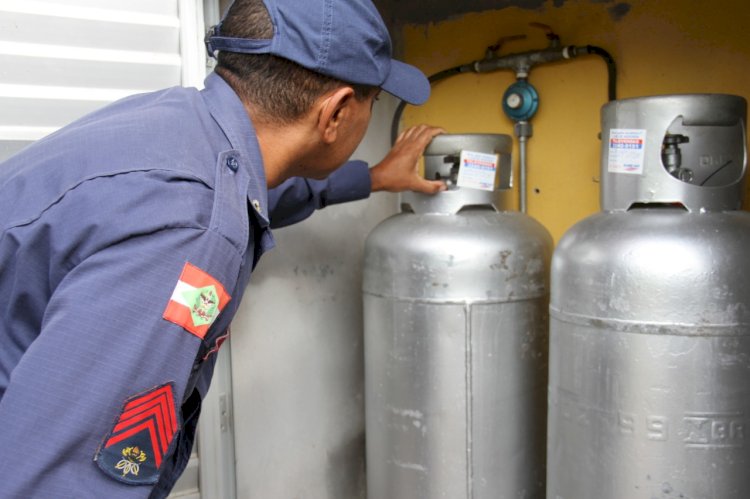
(196, 301)
(140, 440)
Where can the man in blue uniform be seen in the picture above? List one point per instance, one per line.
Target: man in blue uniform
(127, 239)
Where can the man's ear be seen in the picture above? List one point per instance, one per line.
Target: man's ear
(334, 110)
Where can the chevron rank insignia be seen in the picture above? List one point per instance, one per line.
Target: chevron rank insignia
(140, 440)
(196, 301)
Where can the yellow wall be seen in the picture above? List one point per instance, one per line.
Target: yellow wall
(661, 47)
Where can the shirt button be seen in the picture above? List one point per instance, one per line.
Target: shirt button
(256, 205)
(232, 163)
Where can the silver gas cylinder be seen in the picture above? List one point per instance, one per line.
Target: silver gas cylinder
(649, 392)
(455, 305)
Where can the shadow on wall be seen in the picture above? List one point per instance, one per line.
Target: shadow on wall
(400, 12)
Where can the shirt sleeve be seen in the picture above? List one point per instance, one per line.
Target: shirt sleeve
(297, 198)
(97, 406)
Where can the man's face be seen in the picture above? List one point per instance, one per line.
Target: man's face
(350, 135)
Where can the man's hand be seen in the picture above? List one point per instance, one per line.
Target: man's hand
(399, 170)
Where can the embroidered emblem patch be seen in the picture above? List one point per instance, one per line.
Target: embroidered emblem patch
(196, 301)
(140, 439)
(132, 457)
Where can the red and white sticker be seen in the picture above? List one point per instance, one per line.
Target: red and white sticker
(626, 151)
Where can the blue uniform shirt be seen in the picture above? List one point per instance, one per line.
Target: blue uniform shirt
(126, 242)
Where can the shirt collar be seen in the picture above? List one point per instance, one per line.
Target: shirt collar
(230, 114)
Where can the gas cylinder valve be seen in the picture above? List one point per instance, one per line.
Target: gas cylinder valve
(450, 177)
(671, 157)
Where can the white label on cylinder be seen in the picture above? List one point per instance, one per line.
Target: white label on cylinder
(477, 170)
(626, 151)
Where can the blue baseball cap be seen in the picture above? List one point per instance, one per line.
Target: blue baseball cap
(343, 39)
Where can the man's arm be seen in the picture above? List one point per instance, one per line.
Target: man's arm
(399, 170)
(297, 198)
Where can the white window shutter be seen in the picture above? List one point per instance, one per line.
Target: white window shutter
(61, 59)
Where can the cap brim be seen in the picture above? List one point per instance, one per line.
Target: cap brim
(407, 83)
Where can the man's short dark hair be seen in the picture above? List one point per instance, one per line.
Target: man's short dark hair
(279, 89)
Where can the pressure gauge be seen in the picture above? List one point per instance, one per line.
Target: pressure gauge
(520, 101)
